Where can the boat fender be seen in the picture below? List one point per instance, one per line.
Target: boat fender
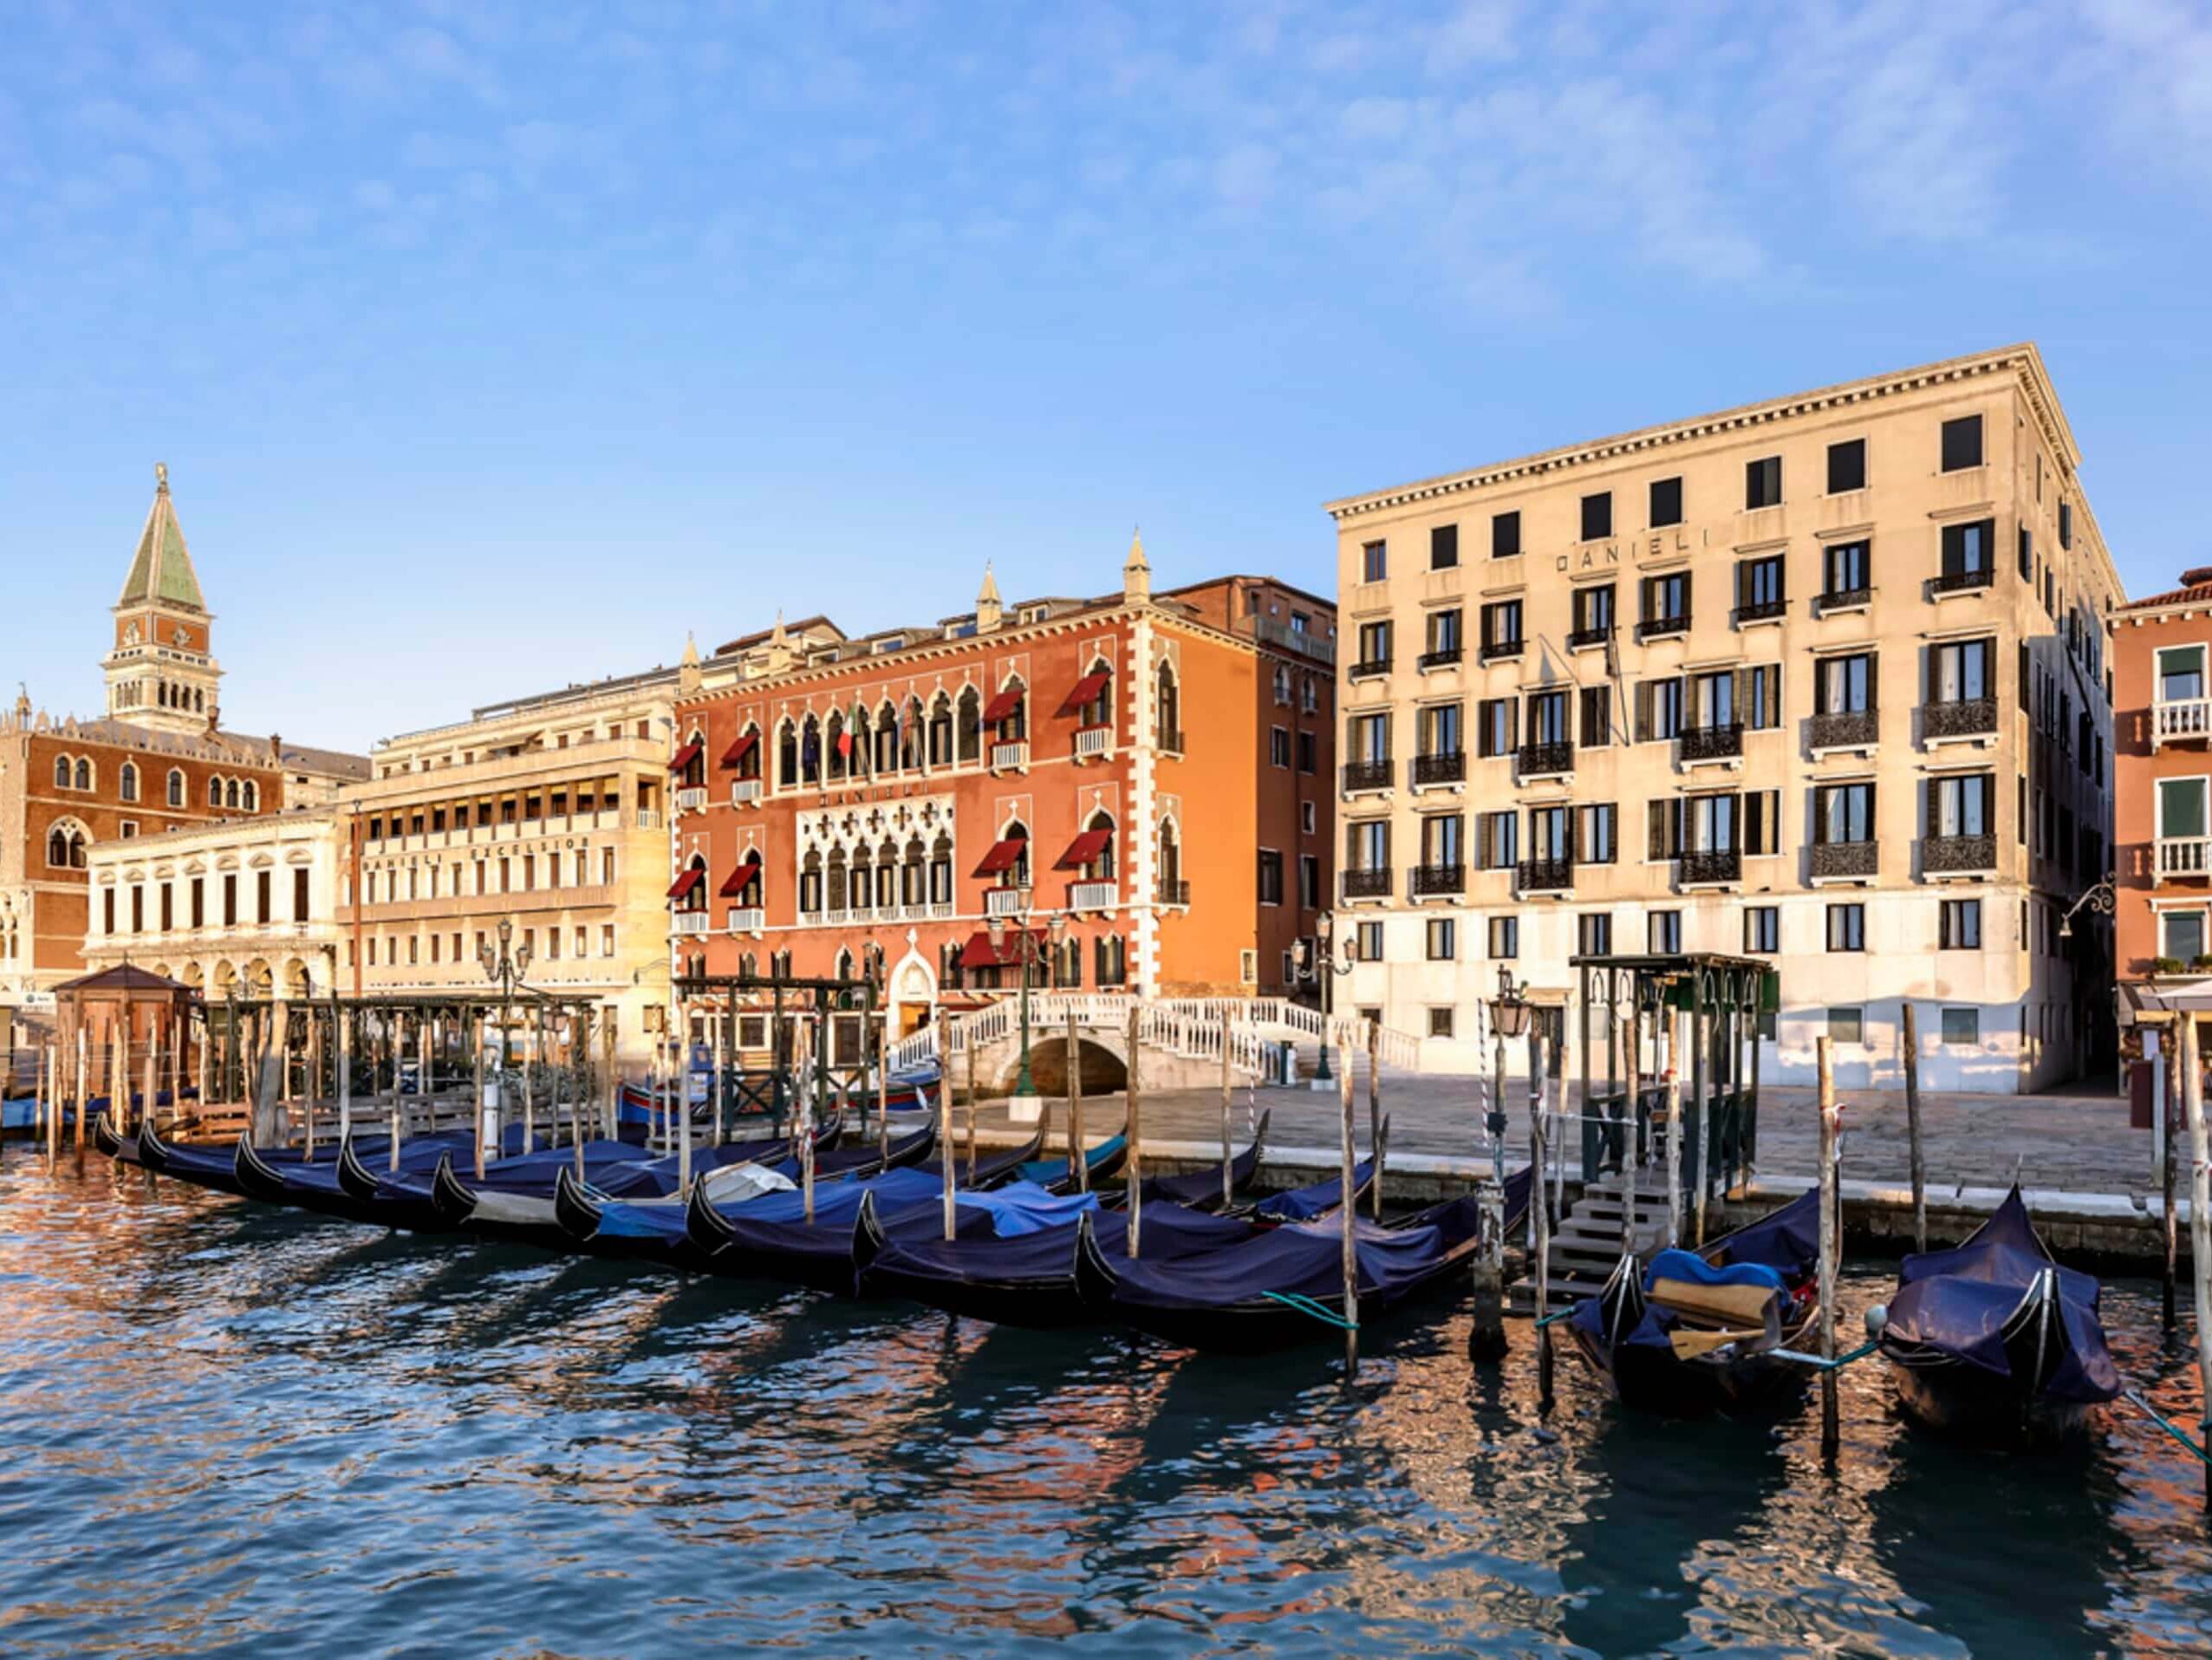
(1878, 1319)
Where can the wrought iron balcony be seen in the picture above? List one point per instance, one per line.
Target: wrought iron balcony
(1760, 611)
(1498, 650)
(1709, 867)
(1368, 884)
(1368, 668)
(1960, 582)
(1579, 638)
(1551, 760)
(1445, 766)
(1174, 890)
(1959, 718)
(1367, 775)
(1443, 657)
(1429, 879)
(1851, 729)
(1843, 599)
(1844, 858)
(1713, 743)
(1658, 627)
(1544, 876)
(1948, 855)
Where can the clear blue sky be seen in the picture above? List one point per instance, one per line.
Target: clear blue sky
(493, 346)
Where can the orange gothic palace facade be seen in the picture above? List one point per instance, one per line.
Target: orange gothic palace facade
(1156, 769)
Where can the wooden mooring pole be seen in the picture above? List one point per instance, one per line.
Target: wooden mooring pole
(342, 1039)
(1134, 1129)
(945, 1154)
(974, 1095)
(1347, 1208)
(1228, 1183)
(1912, 1130)
(1829, 1432)
(1539, 1213)
(84, 1071)
(2166, 1084)
(1078, 1154)
(2199, 1229)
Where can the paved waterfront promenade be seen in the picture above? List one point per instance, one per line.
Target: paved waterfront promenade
(2076, 1142)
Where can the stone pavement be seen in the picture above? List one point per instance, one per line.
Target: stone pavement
(2079, 1142)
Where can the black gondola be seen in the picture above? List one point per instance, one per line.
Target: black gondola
(1103, 1163)
(1286, 1286)
(1700, 1332)
(993, 1172)
(1994, 1340)
(774, 1242)
(1304, 1204)
(1201, 1189)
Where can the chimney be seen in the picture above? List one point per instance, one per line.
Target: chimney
(2196, 576)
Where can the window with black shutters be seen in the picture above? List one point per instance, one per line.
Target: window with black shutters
(1597, 516)
(1495, 722)
(2065, 524)
(1658, 711)
(1271, 876)
(1665, 502)
(1596, 717)
(1663, 829)
(1593, 609)
(1594, 934)
(1597, 832)
(1306, 752)
(1847, 465)
(2027, 553)
(1967, 548)
(1962, 443)
(1762, 815)
(1505, 536)
(1762, 482)
(1759, 696)
(1443, 547)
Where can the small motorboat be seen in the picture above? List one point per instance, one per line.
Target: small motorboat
(1706, 1330)
(1992, 1340)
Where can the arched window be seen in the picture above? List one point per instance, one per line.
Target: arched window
(1282, 685)
(913, 875)
(968, 724)
(694, 774)
(1171, 865)
(840, 894)
(1067, 967)
(810, 884)
(864, 756)
(1098, 709)
(810, 752)
(948, 967)
(65, 845)
(940, 731)
(1017, 874)
(696, 899)
(1112, 954)
(215, 792)
(249, 798)
(1014, 726)
(787, 755)
(127, 781)
(748, 966)
(62, 773)
(200, 700)
(176, 787)
(84, 773)
(941, 871)
(1101, 869)
(886, 875)
(910, 736)
(231, 793)
(1167, 710)
(844, 963)
(886, 738)
(840, 744)
(779, 964)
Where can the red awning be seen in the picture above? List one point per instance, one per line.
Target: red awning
(977, 954)
(684, 756)
(1084, 690)
(680, 889)
(1003, 855)
(735, 755)
(1002, 705)
(737, 880)
(1084, 849)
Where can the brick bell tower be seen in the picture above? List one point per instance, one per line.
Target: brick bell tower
(161, 671)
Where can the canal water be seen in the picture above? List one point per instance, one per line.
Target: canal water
(230, 1430)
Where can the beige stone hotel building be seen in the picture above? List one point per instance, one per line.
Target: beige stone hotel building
(549, 812)
(1823, 678)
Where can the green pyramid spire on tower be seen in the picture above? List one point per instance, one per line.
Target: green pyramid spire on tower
(162, 570)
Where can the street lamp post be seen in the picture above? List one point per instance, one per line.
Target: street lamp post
(504, 967)
(1509, 1017)
(1028, 952)
(1321, 968)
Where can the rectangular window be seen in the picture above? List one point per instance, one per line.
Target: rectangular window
(1597, 516)
(1443, 547)
(2027, 553)
(1961, 671)
(1309, 753)
(1662, 836)
(168, 908)
(1962, 443)
(1762, 482)
(1443, 939)
(1759, 587)
(1367, 844)
(1371, 736)
(607, 940)
(1374, 650)
(1967, 548)
(1597, 723)
(1713, 700)
(1762, 929)
(2181, 807)
(1443, 637)
(1846, 570)
(1271, 876)
(1762, 821)
(1367, 943)
(1440, 841)
(1960, 925)
(1847, 928)
(1505, 937)
(1843, 685)
(1843, 813)
(1962, 805)
(1547, 718)
(1278, 746)
(1665, 502)
(107, 911)
(2181, 674)
(299, 896)
(1847, 465)
(1593, 611)
(1495, 721)
(1962, 1026)
(1658, 711)
(2065, 524)
(1440, 1023)
(1760, 699)
(1846, 1026)
(260, 906)
(1437, 729)
(2181, 935)
(230, 901)
(1374, 562)
(1594, 934)
(1666, 599)
(1664, 934)
(1599, 831)
(1505, 536)
(1309, 883)
(1501, 627)
(1498, 840)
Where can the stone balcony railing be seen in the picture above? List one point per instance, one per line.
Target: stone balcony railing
(2181, 720)
(2184, 856)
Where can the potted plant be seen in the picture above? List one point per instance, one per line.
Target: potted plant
(2165, 965)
